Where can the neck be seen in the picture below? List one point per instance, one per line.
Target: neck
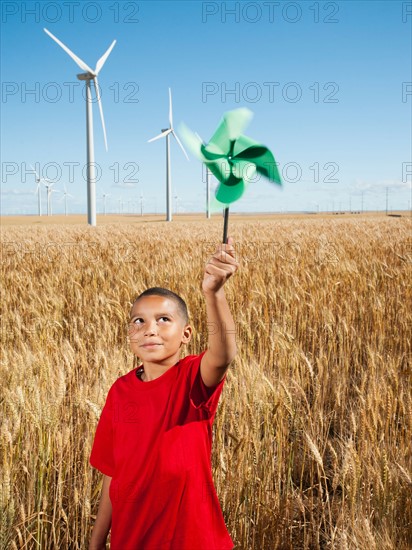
(154, 370)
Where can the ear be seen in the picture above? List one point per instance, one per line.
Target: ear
(187, 334)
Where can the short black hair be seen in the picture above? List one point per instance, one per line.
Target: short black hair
(165, 293)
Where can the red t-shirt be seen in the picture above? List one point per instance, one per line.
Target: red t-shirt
(154, 439)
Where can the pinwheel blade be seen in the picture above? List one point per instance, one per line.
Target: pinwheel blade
(163, 134)
(77, 60)
(230, 193)
(230, 128)
(102, 60)
(220, 168)
(246, 149)
(180, 144)
(215, 205)
(170, 109)
(192, 141)
(236, 121)
(267, 166)
(99, 101)
(245, 170)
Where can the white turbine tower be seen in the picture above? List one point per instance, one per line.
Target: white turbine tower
(88, 76)
(177, 200)
(65, 195)
(38, 188)
(104, 196)
(48, 185)
(166, 133)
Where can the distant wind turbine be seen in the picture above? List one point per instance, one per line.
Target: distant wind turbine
(104, 196)
(48, 185)
(38, 188)
(88, 76)
(177, 199)
(65, 195)
(166, 133)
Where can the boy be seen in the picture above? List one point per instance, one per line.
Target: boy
(153, 440)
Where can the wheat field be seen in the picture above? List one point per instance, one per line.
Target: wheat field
(312, 439)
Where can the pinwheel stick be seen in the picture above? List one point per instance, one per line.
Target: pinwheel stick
(225, 224)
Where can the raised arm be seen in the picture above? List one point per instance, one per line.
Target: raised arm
(222, 339)
(103, 521)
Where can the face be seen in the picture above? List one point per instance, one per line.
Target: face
(157, 330)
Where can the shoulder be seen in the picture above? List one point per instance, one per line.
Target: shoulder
(122, 383)
(191, 362)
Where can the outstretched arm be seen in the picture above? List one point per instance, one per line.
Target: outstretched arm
(103, 521)
(222, 339)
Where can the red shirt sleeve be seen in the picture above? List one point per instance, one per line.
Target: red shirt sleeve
(102, 451)
(202, 396)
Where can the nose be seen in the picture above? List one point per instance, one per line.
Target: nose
(151, 328)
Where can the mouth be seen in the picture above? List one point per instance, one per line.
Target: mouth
(150, 345)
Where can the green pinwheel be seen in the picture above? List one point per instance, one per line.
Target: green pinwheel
(233, 158)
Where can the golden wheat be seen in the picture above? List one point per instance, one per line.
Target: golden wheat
(312, 436)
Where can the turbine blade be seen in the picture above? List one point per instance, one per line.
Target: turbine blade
(170, 109)
(79, 62)
(180, 145)
(102, 60)
(163, 134)
(192, 141)
(99, 101)
(34, 170)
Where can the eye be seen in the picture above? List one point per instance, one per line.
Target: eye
(137, 321)
(164, 319)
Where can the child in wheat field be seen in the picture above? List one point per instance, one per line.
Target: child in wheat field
(153, 440)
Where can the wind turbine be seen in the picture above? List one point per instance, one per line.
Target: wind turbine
(38, 188)
(66, 194)
(166, 133)
(48, 185)
(177, 199)
(104, 196)
(88, 76)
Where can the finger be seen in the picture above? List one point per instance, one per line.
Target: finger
(225, 254)
(228, 247)
(217, 274)
(223, 259)
(219, 267)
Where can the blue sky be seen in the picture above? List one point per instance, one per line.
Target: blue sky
(330, 85)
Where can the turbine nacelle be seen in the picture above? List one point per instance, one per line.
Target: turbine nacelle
(85, 76)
